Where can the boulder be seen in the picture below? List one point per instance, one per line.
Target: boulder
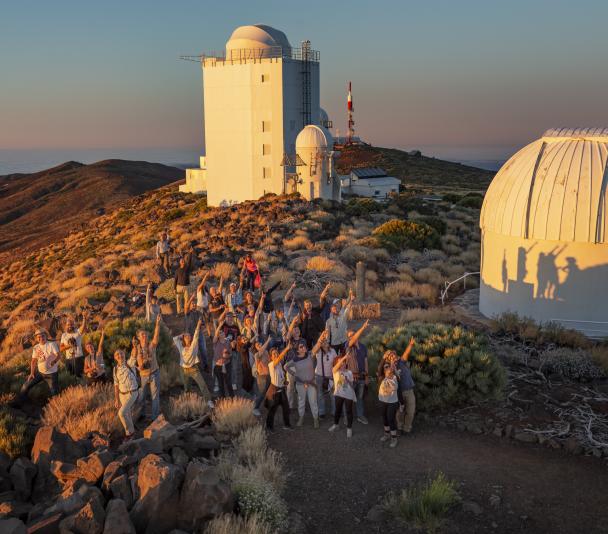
(120, 488)
(22, 475)
(162, 432)
(117, 519)
(113, 469)
(179, 456)
(93, 466)
(89, 519)
(17, 509)
(203, 497)
(158, 483)
(196, 445)
(64, 471)
(51, 445)
(5, 462)
(6, 496)
(139, 448)
(12, 526)
(71, 500)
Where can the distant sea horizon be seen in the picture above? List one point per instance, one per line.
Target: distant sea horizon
(35, 160)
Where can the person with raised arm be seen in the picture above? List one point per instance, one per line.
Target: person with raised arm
(276, 393)
(152, 305)
(360, 368)
(188, 348)
(222, 355)
(216, 302)
(71, 344)
(407, 398)
(126, 392)
(261, 373)
(301, 371)
(181, 282)
(337, 324)
(251, 271)
(324, 362)
(94, 366)
(389, 400)
(143, 356)
(312, 322)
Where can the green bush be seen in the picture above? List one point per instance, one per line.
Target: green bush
(576, 364)
(450, 365)
(424, 505)
(362, 206)
(120, 333)
(398, 234)
(261, 500)
(437, 223)
(471, 200)
(16, 437)
(173, 214)
(453, 198)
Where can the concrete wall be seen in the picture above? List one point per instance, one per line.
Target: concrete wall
(239, 97)
(546, 280)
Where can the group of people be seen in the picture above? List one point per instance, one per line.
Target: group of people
(239, 340)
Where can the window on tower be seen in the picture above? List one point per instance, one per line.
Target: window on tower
(265, 78)
(265, 126)
(266, 172)
(265, 150)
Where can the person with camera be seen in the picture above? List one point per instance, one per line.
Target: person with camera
(163, 251)
(94, 366)
(43, 367)
(143, 356)
(126, 392)
(389, 400)
(324, 356)
(260, 372)
(152, 305)
(301, 371)
(71, 344)
(188, 348)
(276, 394)
(407, 398)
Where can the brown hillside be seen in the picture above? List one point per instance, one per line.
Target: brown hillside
(38, 208)
(418, 170)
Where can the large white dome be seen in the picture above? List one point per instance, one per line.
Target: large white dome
(553, 189)
(256, 37)
(313, 136)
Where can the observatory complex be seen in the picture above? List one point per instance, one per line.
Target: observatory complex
(544, 225)
(265, 131)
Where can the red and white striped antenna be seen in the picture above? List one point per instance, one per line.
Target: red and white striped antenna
(351, 121)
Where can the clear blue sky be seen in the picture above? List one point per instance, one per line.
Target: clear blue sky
(78, 74)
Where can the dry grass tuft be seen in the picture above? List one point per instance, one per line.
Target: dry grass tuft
(187, 406)
(82, 409)
(392, 292)
(170, 376)
(224, 269)
(297, 242)
(235, 524)
(233, 415)
(428, 315)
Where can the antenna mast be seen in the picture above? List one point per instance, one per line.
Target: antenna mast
(350, 135)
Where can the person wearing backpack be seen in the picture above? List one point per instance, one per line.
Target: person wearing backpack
(389, 400)
(125, 392)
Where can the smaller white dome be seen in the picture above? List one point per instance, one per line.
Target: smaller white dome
(323, 116)
(313, 136)
(258, 37)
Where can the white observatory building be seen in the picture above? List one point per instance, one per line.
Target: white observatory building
(259, 96)
(544, 225)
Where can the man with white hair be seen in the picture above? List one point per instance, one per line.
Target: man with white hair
(71, 344)
(188, 349)
(163, 249)
(43, 367)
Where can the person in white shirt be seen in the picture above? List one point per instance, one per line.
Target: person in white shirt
(337, 324)
(163, 249)
(188, 349)
(126, 392)
(301, 370)
(94, 366)
(324, 356)
(152, 305)
(344, 395)
(43, 367)
(71, 345)
(389, 399)
(276, 392)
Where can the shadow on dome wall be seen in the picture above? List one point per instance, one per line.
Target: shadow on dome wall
(548, 284)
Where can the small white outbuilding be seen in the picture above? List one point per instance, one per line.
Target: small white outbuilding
(544, 226)
(370, 182)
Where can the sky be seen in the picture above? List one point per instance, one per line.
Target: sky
(474, 78)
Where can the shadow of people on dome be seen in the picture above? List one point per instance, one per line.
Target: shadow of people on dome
(522, 256)
(547, 273)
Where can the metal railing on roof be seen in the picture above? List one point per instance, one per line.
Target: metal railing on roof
(245, 54)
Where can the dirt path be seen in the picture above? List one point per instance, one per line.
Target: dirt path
(335, 482)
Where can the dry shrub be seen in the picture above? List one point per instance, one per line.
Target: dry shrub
(75, 283)
(234, 414)
(351, 255)
(69, 299)
(17, 330)
(170, 376)
(87, 267)
(281, 274)
(187, 406)
(79, 410)
(392, 292)
(235, 524)
(430, 276)
(224, 269)
(320, 263)
(297, 242)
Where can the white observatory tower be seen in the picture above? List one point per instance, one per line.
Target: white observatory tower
(258, 96)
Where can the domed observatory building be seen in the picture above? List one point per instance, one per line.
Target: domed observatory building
(544, 233)
(316, 176)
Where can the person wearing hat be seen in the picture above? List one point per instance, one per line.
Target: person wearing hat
(43, 367)
(233, 297)
(71, 344)
(337, 324)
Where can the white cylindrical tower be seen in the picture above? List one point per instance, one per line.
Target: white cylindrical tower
(314, 146)
(544, 225)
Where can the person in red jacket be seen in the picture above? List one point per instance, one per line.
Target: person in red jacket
(251, 272)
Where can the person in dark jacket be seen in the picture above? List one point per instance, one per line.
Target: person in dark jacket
(311, 320)
(268, 304)
(180, 284)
